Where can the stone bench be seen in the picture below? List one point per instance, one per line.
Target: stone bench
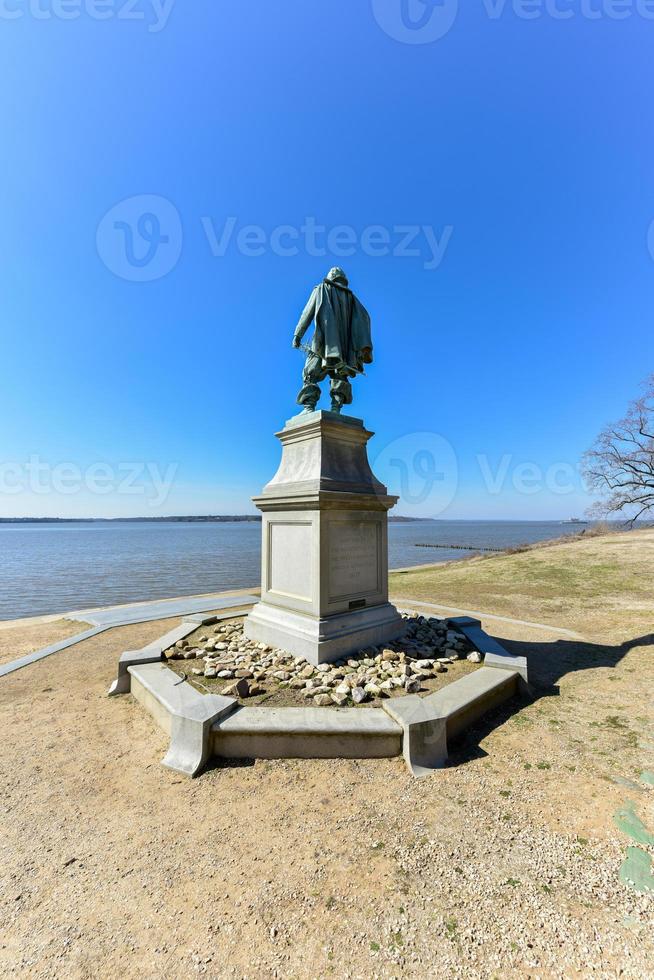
(428, 722)
(494, 653)
(205, 725)
(152, 653)
(182, 712)
(307, 733)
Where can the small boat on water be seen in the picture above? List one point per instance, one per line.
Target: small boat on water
(575, 520)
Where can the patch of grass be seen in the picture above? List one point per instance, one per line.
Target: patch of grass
(513, 882)
(543, 765)
(615, 721)
(375, 947)
(451, 926)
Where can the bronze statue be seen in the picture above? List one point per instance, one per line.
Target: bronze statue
(341, 343)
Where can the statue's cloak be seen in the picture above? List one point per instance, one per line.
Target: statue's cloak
(342, 338)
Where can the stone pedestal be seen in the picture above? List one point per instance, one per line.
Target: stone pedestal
(324, 577)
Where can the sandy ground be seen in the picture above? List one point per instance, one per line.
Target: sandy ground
(112, 865)
(17, 640)
(506, 864)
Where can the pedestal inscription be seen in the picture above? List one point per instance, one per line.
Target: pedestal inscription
(354, 552)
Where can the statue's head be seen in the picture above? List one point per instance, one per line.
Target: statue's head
(337, 275)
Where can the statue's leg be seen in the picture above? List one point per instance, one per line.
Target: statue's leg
(311, 375)
(341, 392)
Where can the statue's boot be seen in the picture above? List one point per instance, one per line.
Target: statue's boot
(341, 392)
(308, 397)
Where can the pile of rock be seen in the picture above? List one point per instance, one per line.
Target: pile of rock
(425, 649)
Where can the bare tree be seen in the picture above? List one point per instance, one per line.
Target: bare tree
(620, 466)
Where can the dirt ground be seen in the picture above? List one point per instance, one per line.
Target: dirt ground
(505, 864)
(17, 640)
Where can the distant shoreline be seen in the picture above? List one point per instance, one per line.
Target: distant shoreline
(201, 519)
(205, 519)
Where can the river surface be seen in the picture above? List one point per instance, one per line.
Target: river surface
(49, 568)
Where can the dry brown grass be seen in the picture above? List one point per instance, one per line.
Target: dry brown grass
(601, 587)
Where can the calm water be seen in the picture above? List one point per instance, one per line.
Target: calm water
(47, 568)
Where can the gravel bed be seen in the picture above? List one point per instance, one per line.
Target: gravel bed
(427, 648)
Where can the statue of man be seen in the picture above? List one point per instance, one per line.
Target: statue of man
(341, 343)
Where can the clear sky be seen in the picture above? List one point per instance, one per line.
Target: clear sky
(492, 163)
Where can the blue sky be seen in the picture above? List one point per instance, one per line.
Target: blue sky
(146, 347)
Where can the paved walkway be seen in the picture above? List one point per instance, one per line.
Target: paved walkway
(142, 612)
(146, 612)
